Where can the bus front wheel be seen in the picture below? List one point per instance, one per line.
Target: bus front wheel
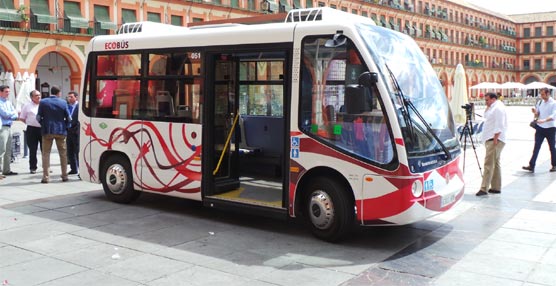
(117, 180)
(329, 210)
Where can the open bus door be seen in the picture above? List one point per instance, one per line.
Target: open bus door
(237, 114)
(224, 121)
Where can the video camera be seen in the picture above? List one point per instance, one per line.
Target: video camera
(468, 110)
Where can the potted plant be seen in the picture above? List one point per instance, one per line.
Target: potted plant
(24, 16)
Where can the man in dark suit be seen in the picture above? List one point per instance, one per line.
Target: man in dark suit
(73, 134)
(55, 120)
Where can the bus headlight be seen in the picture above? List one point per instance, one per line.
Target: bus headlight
(417, 188)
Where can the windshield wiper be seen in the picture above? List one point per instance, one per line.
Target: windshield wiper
(407, 103)
(404, 111)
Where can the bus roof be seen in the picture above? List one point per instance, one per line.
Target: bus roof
(142, 35)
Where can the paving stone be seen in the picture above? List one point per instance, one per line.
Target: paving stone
(543, 274)
(97, 256)
(145, 268)
(10, 255)
(464, 278)
(199, 276)
(91, 278)
(38, 271)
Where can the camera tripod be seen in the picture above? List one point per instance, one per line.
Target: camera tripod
(467, 133)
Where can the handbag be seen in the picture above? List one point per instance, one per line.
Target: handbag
(533, 124)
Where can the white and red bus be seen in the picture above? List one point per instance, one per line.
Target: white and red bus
(326, 117)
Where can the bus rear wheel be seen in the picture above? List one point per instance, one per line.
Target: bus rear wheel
(328, 209)
(117, 180)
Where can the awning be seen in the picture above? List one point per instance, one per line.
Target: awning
(410, 29)
(394, 25)
(40, 9)
(7, 4)
(438, 35)
(153, 17)
(102, 17)
(444, 36)
(9, 15)
(128, 16)
(286, 5)
(73, 13)
(418, 31)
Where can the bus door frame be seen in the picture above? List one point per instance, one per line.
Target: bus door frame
(210, 182)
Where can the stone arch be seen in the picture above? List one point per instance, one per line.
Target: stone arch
(529, 78)
(6, 59)
(75, 63)
(551, 79)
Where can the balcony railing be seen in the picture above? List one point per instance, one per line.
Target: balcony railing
(60, 25)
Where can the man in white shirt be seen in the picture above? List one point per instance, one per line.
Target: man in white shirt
(494, 138)
(545, 114)
(33, 132)
(7, 116)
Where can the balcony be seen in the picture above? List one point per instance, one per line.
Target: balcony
(475, 64)
(61, 26)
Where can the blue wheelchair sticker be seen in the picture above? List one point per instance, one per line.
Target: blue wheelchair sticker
(295, 142)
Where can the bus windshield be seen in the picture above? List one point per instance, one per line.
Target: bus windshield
(399, 56)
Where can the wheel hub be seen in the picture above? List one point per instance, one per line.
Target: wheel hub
(116, 179)
(321, 210)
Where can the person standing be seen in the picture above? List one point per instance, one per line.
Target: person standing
(73, 134)
(33, 132)
(545, 114)
(7, 115)
(54, 118)
(494, 138)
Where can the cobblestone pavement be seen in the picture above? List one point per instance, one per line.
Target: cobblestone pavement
(69, 234)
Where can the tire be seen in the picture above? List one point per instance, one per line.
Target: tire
(329, 210)
(117, 180)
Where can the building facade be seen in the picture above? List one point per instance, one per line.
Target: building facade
(49, 37)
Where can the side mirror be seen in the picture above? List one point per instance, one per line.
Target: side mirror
(368, 79)
(337, 41)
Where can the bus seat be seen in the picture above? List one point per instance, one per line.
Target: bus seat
(164, 103)
(243, 146)
(184, 112)
(265, 133)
